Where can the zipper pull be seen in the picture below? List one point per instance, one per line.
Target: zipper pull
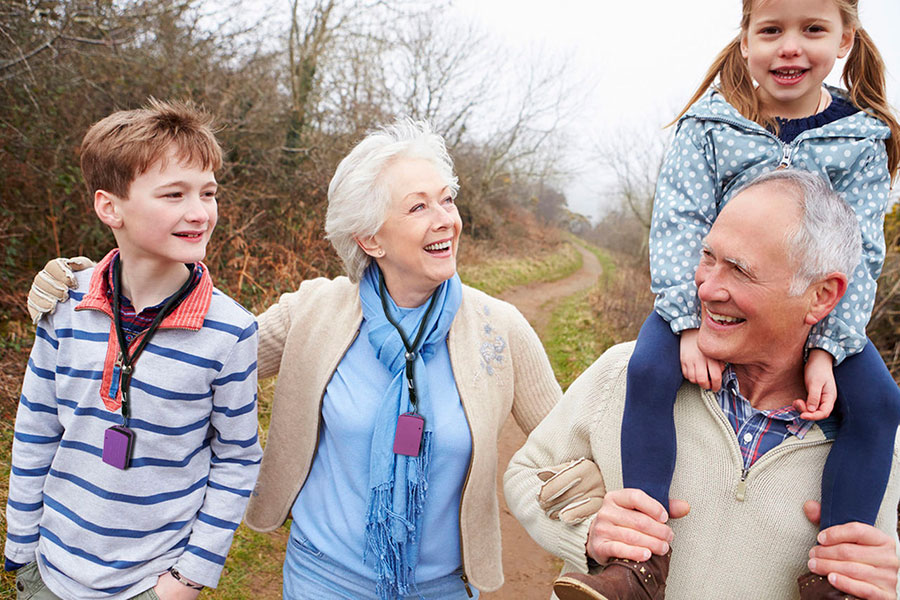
(786, 151)
(741, 491)
(465, 581)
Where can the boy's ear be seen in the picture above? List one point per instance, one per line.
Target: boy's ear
(106, 207)
(825, 295)
(370, 246)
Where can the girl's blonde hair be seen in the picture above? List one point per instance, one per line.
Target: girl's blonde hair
(863, 77)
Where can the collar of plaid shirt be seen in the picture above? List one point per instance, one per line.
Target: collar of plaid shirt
(758, 431)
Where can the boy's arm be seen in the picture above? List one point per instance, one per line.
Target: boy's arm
(684, 209)
(866, 190)
(37, 436)
(233, 466)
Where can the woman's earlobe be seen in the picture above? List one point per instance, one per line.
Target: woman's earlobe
(370, 246)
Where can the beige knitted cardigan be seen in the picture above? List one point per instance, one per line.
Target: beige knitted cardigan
(746, 535)
(500, 368)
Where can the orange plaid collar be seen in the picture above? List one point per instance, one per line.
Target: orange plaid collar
(189, 314)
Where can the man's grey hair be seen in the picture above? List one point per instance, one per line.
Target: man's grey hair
(827, 237)
(358, 196)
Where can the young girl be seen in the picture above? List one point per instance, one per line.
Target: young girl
(769, 111)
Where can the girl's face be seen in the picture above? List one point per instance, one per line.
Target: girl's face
(790, 47)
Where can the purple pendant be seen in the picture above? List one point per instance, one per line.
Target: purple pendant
(408, 438)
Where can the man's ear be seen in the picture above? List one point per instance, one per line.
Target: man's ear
(825, 295)
(370, 246)
(106, 207)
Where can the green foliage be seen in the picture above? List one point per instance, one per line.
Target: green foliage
(574, 339)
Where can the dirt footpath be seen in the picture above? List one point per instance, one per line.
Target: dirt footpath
(529, 570)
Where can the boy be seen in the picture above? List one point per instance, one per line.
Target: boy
(131, 470)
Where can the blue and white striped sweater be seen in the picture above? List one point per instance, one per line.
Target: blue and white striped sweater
(97, 531)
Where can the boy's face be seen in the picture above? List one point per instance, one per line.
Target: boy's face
(169, 214)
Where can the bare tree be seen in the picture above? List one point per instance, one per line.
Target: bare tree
(631, 159)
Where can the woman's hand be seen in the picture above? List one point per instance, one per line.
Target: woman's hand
(51, 286)
(169, 588)
(820, 387)
(696, 366)
(857, 558)
(630, 524)
(571, 492)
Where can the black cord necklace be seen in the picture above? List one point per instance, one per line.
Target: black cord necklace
(410, 425)
(118, 440)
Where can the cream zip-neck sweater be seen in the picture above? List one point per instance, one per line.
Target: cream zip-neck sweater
(746, 535)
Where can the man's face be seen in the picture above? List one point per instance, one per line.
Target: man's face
(748, 317)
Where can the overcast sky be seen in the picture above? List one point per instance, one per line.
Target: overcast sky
(643, 58)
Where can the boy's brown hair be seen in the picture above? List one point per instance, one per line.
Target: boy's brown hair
(118, 148)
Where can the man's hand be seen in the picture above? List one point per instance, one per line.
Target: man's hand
(630, 524)
(858, 559)
(51, 285)
(820, 387)
(696, 366)
(571, 492)
(168, 588)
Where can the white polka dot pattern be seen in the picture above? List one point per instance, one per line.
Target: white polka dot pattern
(714, 152)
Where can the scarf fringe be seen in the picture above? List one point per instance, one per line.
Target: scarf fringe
(391, 538)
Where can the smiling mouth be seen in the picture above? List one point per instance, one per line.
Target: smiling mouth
(723, 319)
(789, 75)
(439, 246)
(190, 236)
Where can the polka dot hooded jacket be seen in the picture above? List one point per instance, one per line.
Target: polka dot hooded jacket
(715, 151)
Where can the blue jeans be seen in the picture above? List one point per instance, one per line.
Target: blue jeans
(310, 575)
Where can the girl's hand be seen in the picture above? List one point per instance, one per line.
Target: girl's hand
(820, 387)
(168, 588)
(697, 367)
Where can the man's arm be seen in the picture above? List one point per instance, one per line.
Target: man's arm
(563, 435)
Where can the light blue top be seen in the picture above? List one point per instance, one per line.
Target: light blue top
(330, 510)
(715, 151)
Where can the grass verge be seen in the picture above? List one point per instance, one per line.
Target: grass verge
(495, 276)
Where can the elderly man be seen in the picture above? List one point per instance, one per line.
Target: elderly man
(742, 531)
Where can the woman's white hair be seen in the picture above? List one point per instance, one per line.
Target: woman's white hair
(358, 197)
(827, 237)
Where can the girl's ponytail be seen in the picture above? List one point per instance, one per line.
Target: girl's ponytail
(735, 84)
(864, 78)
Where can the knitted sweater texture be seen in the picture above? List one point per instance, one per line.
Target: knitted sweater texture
(746, 535)
(500, 368)
(100, 532)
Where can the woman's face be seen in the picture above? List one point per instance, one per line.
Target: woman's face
(417, 244)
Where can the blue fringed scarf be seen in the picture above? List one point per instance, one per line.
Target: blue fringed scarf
(397, 483)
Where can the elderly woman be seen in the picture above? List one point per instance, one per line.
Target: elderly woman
(394, 383)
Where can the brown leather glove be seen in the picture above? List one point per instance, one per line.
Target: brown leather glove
(51, 286)
(571, 492)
